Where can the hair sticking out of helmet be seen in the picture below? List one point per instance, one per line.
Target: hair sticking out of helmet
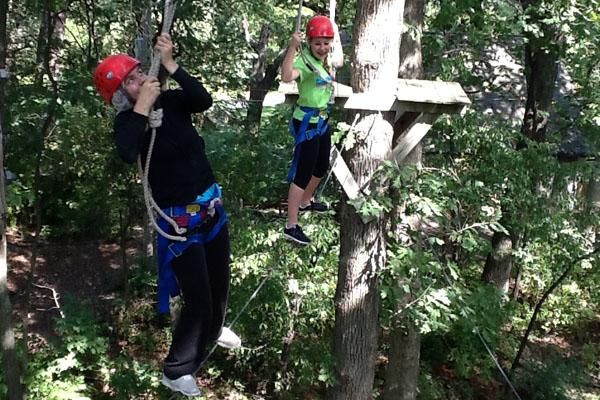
(111, 72)
(319, 26)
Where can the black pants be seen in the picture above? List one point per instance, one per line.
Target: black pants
(314, 157)
(202, 272)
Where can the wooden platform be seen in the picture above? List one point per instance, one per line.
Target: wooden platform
(418, 102)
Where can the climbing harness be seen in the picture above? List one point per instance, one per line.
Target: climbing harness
(203, 220)
(155, 121)
(304, 134)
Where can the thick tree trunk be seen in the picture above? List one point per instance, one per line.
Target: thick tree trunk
(541, 70)
(402, 372)
(498, 264)
(11, 364)
(362, 249)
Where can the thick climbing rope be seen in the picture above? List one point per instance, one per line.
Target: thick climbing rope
(155, 121)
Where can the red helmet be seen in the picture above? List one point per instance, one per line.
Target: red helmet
(111, 72)
(319, 26)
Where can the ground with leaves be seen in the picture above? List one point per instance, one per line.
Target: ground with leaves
(92, 270)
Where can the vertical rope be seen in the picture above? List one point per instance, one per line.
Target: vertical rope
(168, 14)
(299, 16)
(151, 206)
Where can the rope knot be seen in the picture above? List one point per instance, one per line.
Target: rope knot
(155, 118)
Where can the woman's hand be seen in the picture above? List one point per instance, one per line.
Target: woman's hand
(164, 45)
(149, 91)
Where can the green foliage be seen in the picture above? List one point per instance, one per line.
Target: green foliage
(551, 380)
(474, 183)
(253, 171)
(65, 371)
(288, 314)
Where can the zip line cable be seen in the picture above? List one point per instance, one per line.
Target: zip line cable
(488, 349)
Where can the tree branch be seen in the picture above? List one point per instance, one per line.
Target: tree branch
(538, 306)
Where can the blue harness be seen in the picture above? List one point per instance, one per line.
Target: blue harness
(203, 219)
(304, 134)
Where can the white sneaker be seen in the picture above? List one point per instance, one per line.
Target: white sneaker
(185, 385)
(228, 339)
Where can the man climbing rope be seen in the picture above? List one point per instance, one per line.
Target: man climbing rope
(183, 186)
(310, 120)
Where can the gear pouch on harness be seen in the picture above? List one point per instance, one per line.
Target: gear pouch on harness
(203, 220)
(304, 134)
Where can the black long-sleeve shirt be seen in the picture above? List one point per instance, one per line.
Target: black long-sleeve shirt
(179, 169)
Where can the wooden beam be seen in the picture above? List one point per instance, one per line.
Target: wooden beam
(370, 102)
(429, 108)
(434, 92)
(343, 175)
(413, 135)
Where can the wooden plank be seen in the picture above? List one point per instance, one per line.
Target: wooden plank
(291, 88)
(343, 175)
(429, 108)
(413, 135)
(341, 92)
(434, 92)
(345, 178)
(370, 101)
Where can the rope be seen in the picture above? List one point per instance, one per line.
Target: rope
(487, 348)
(239, 314)
(155, 121)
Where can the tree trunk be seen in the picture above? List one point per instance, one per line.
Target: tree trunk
(541, 68)
(362, 249)
(262, 78)
(593, 202)
(51, 25)
(498, 264)
(148, 242)
(402, 372)
(11, 364)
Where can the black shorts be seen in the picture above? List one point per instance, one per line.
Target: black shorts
(314, 156)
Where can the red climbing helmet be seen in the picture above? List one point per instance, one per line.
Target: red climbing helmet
(319, 26)
(111, 72)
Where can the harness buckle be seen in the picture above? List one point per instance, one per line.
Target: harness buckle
(173, 249)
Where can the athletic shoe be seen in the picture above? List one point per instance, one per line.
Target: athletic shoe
(228, 339)
(295, 234)
(185, 385)
(314, 206)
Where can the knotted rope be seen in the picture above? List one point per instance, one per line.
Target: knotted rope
(155, 121)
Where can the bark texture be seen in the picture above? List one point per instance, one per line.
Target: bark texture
(375, 67)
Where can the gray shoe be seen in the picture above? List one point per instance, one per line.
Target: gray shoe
(228, 339)
(185, 385)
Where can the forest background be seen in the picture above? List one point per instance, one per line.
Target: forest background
(490, 283)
